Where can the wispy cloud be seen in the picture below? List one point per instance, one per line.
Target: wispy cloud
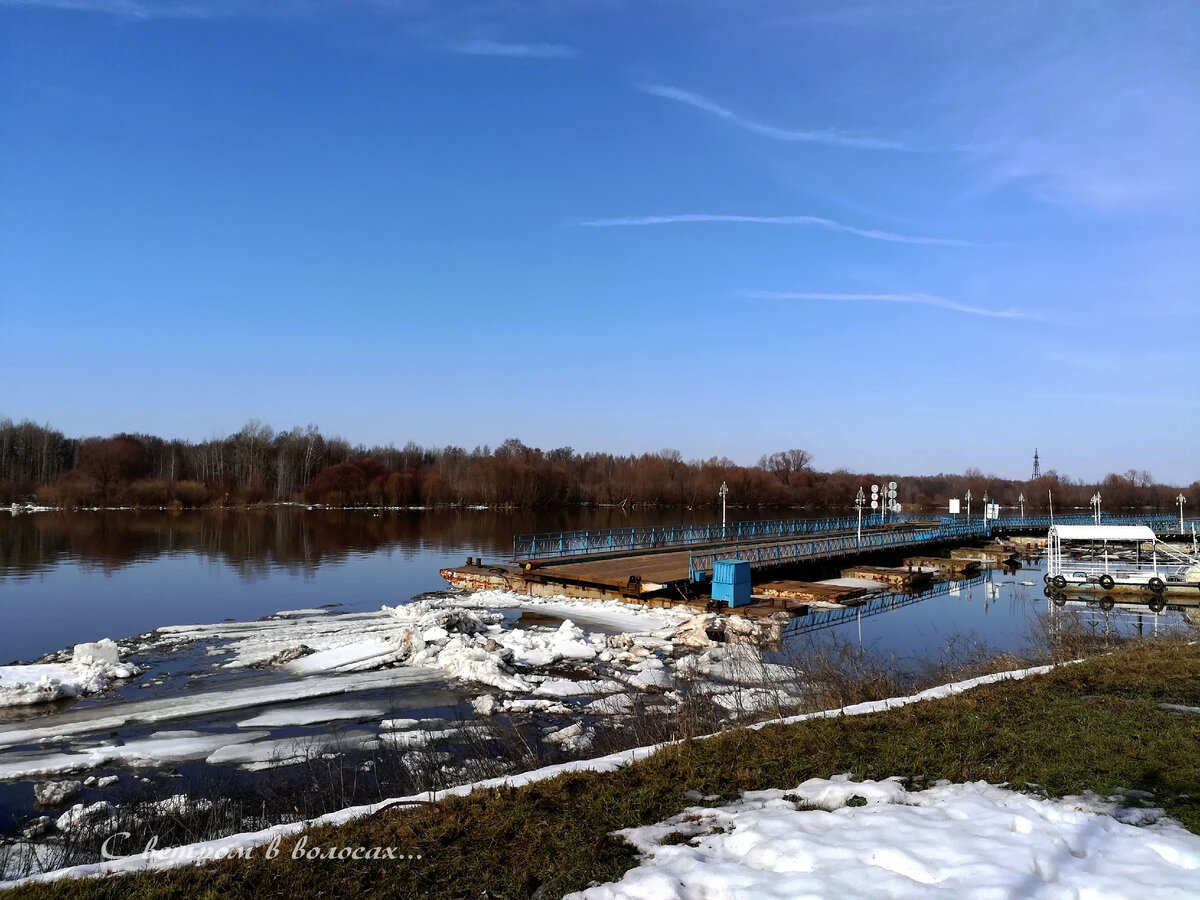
(921, 299)
(175, 9)
(833, 138)
(871, 233)
(1106, 120)
(503, 48)
(870, 14)
(1173, 401)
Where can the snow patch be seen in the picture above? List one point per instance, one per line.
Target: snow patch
(951, 840)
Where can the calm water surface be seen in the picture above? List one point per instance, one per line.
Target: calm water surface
(70, 577)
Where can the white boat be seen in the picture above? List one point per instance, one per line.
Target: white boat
(1117, 557)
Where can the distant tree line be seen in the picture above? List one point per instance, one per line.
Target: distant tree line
(259, 465)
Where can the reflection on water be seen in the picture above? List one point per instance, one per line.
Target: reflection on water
(70, 577)
(819, 620)
(66, 578)
(295, 539)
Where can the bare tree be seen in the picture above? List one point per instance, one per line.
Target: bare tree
(786, 464)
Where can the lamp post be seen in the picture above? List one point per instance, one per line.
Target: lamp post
(985, 507)
(860, 501)
(1021, 500)
(724, 490)
(968, 498)
(1182, 500)
(1095, 501)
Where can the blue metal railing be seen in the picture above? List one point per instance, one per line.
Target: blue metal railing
(760, 556)
(1158, 521)
(661, 537)
(654, 537)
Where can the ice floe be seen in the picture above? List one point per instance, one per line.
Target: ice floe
(573, 738)
(55, 793)
(265, 754)
(565, 687)
(160, 747)
(199, 704)
(407, 740)
(85, 816)
(93, 668)
(462, 635)
(291, 716)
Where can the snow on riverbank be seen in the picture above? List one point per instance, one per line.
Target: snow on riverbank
(92, 669)
(951, 840)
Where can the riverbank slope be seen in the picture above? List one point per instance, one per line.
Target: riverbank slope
(1116, 725)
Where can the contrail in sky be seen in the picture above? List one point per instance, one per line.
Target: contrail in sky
(781, 134)
(923, 299)
(873, 234)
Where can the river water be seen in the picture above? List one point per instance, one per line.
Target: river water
(72, 577)
(67, 578)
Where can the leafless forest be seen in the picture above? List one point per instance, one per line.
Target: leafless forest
(259, 465)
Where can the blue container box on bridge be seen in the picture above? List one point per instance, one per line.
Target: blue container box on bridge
(731, 581)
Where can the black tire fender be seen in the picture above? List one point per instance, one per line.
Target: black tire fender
(1106, 581)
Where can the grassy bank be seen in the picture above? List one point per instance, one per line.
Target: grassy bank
(1095, 726)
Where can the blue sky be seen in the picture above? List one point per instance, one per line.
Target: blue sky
(909, 237)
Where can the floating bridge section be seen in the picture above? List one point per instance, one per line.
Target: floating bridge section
(656, 557)
(558, 544)
(670, 563)
(838, 546)
(649, 538)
